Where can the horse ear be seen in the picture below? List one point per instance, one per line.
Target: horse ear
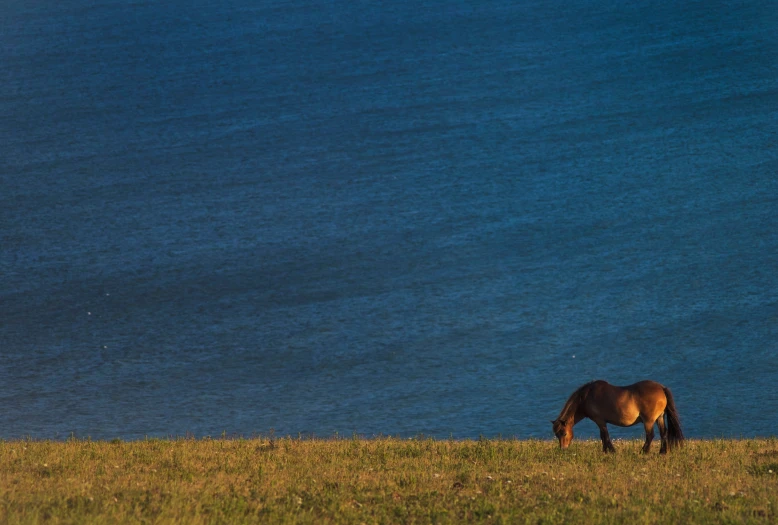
(553, 421)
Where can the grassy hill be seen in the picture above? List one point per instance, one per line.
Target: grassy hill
(385, 480)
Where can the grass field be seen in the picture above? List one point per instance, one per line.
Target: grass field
(385, 480)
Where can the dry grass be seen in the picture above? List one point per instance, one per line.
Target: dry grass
(385, 481)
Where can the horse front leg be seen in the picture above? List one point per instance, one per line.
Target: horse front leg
(607, 446)
(649, 436)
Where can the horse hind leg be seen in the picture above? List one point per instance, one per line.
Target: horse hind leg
(649, 426)
(660, 422)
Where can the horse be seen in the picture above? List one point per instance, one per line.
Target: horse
(623, 406)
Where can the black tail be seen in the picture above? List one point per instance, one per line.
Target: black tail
(674, 434)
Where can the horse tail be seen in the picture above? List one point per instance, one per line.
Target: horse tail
(674, 434)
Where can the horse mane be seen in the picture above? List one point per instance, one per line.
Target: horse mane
(575, 399)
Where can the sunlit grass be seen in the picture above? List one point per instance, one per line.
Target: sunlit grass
(385, 480)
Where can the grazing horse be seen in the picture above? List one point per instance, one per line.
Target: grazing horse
(624, 406)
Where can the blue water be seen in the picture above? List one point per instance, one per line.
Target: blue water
(432, 217)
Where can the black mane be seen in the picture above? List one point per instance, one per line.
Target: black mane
(575, 399)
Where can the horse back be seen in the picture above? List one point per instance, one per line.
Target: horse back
(625, 405)
(649, 396)
(646, 389)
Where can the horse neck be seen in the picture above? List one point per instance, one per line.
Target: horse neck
(572, 412)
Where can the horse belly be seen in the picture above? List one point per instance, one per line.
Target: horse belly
(628, 419)
(622, 414)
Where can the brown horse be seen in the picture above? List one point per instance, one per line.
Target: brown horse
(622, 406)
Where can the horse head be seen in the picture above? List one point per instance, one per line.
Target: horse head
(562, 432)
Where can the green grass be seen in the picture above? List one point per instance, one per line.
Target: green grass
(385, 481)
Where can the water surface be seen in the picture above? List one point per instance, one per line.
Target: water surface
(434, 218)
